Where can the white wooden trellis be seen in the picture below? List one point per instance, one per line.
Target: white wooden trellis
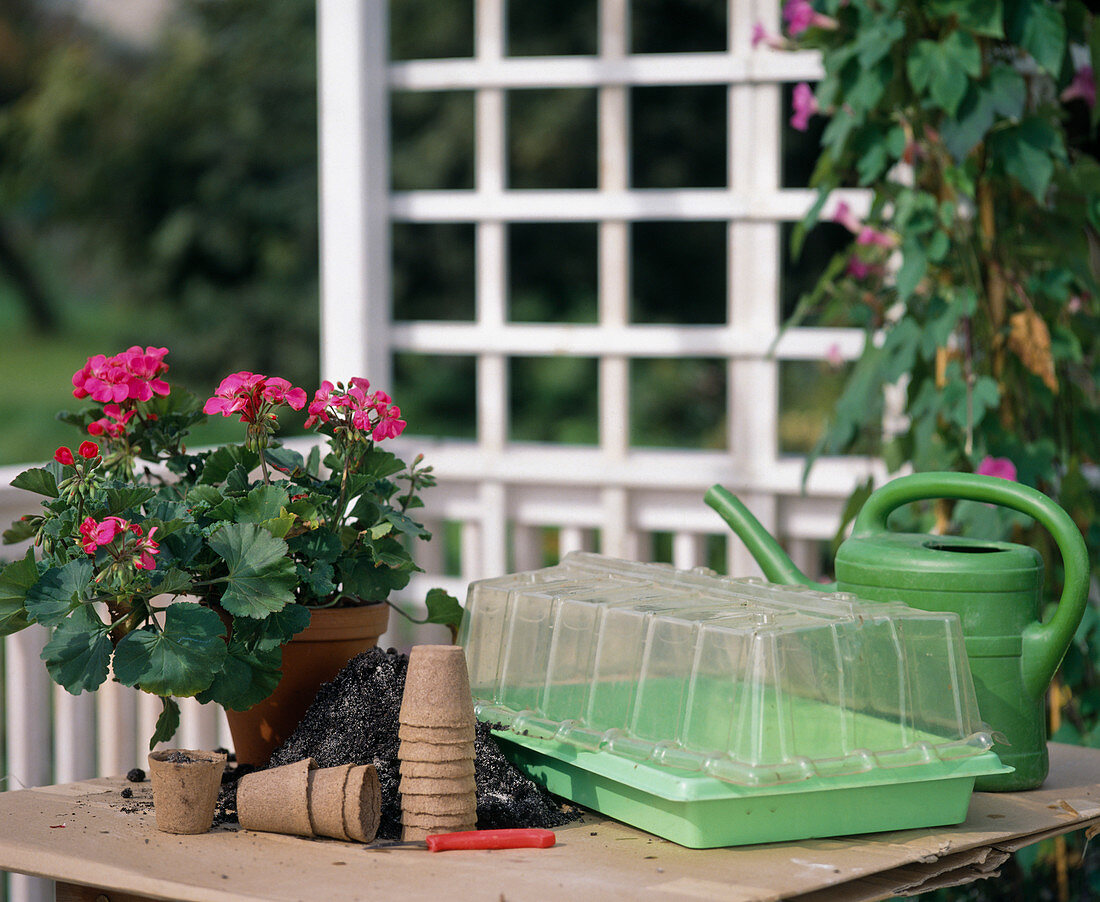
(500, 492)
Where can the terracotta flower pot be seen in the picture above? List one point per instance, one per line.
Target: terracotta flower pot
(333, 637)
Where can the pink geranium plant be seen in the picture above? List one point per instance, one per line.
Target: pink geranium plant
(183, 571)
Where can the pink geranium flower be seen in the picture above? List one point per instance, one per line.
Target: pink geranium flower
(88, 450)
(64, 456)
(136, 548)
(133, 375)
(354, 409)
(113, 422)
(998, 466)
(805, 105)
(253, 396)
(94, 534)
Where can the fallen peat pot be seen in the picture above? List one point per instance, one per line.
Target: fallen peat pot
(276, 800)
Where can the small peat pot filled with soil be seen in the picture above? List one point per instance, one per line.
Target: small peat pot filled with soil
(186, 783)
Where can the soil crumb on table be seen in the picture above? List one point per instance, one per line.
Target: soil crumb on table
(354, 720)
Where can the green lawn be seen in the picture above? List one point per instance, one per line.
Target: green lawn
(37, 371)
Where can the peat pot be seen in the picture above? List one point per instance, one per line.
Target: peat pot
(314, 656)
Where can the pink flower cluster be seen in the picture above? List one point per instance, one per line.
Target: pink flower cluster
(87, 450)
(865, 234)
(374, 413)
(113, 423)
(133, 375)
(252, 395)
(139, 550)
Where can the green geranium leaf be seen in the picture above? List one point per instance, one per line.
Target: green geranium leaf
(173, 581)
(22, 529)
(79, 652)
(245, 678)
(274, 630)
(225, 460)
(318, 577)
(261, 575)
(407, 525)
(167, 723)
(285, 460)
(206, 496)
(39, 480)
(179, 660)
(363, 579)
(15, 580)
(265, 506)
(443, 608)
(58, 591)
(380, 464)
(317, 545)
(119, 499)
(1040, 29)
(265, 502)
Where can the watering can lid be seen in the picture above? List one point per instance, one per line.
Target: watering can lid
(937, 564)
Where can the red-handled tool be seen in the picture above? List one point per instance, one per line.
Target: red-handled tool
(514, 838)
(510, 838)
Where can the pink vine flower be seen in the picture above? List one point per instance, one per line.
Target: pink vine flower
(800, 15)
(998, 466)
(865, 234)
(761, 35)
(1082, 87)
(804, 104)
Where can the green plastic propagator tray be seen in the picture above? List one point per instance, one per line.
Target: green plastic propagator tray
(715, 711)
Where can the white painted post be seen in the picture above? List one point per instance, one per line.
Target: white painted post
(352, 51)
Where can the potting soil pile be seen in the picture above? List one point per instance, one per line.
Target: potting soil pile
(354, 720)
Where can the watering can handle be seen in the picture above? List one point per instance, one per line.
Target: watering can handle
(1044, 643)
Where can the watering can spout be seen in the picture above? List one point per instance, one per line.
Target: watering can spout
(773, 560)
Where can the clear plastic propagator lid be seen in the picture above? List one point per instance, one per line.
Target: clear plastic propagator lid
(753, 683)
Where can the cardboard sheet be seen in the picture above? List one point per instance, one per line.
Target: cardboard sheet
(86, 833)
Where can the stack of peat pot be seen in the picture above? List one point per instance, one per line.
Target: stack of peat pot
(437, 744)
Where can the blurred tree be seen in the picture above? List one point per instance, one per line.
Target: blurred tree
(18, 48)
(190, 170)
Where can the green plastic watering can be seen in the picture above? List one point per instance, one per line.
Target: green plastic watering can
(994, 587)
